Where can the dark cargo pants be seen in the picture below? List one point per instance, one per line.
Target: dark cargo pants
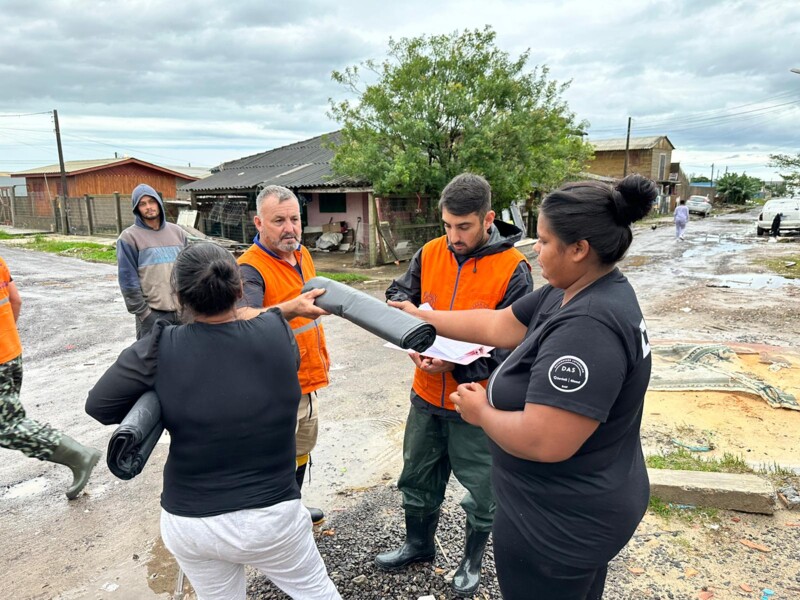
(433, 447)
(17, 431)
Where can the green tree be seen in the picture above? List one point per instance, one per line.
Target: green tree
(441, 105)
(791, 166)
(698, 178)
(737, 189)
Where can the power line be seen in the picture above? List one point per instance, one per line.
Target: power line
(722, 111)
(700, 118)
(25, 143)
(47, 112)
(738, 118)
(119, 147)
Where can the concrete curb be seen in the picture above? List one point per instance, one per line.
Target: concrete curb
(729, 491)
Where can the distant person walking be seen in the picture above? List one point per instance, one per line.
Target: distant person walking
(17, 431)
(775, 228)
(681, 219)
(146, 252)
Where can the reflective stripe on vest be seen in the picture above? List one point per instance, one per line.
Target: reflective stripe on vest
(477, 283)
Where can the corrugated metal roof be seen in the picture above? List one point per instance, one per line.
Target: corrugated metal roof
(636, 143)
(193, 172)
(72, 165)
(304, 164)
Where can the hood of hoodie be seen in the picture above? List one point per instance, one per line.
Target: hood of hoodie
(502, 236)
(145, 190)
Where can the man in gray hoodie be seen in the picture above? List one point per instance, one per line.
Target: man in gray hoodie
(146, 252)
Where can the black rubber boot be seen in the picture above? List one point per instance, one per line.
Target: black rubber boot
(418, 547)
(80, 459)
(468, 575)
(317, 516)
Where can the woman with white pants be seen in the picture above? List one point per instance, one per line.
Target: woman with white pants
(229, 395)
(681, 219)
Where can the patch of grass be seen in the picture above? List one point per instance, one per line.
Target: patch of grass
(88, 251)
(343, 277)
(684, 460)
(778, 266)
(659, 507)
(4, 235)
(689, 514)
(779, 475)
(684, 543)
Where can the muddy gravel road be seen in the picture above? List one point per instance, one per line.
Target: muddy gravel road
(105, 544)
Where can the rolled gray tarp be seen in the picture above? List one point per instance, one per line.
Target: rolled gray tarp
(388, 323)
(133, 441)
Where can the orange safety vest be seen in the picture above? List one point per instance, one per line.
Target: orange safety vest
(282, 282)
(10, 346)
(479, 282)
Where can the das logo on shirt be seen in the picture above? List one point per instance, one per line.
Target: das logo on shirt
(568, 374)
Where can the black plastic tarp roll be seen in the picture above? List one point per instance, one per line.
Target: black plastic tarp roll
(390, 324)
(133, 441)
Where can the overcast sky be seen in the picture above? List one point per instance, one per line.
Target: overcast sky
(202, 81)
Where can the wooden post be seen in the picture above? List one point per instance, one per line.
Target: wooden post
(64, 192)
(372, 231)
(118, 213)
(627, 145)
(63, 208)
(54, 207)
(89, 220)
(13, 207)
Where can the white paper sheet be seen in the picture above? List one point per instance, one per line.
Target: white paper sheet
(454, 351)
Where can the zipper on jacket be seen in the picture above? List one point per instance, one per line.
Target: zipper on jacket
(316, 326)
(452, 301)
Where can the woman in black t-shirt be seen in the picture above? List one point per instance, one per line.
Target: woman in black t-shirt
(563, 411)
(229, 394)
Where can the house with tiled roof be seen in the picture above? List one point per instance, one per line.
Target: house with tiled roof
(648, 156)
(225, 200)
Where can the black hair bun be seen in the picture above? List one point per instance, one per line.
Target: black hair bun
(634, 197)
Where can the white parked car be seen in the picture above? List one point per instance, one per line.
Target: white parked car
(699, 205)
(788, 208)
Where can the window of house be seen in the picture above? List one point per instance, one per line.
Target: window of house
(662, 166)
(333, 203)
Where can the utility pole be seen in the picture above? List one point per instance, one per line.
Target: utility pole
(64, 220)
(712, 175)
(627, 146)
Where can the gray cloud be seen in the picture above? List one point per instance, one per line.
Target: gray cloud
(255, 74)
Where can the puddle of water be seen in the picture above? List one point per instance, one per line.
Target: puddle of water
(714, 248)
(24, 489)
(751, 281)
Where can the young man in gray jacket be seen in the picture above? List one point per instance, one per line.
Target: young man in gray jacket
(146, 252)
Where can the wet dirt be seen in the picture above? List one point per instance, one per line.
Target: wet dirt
(105, 544)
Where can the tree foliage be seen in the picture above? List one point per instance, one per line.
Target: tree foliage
(442, 105)
(737, 189)
(791, 167)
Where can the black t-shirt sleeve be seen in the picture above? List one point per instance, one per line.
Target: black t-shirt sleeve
(275, 313)
(526, 307)
(122, 384)
(580, 367)
(254, 287)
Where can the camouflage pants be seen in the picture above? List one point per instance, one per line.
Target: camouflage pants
(17, 432)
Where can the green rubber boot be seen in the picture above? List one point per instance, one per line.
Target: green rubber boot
(80, 459)
(419, 545)
(468, 575)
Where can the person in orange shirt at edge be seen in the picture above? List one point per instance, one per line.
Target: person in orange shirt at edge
(17, 431)
(474, 265)
(274, 270)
